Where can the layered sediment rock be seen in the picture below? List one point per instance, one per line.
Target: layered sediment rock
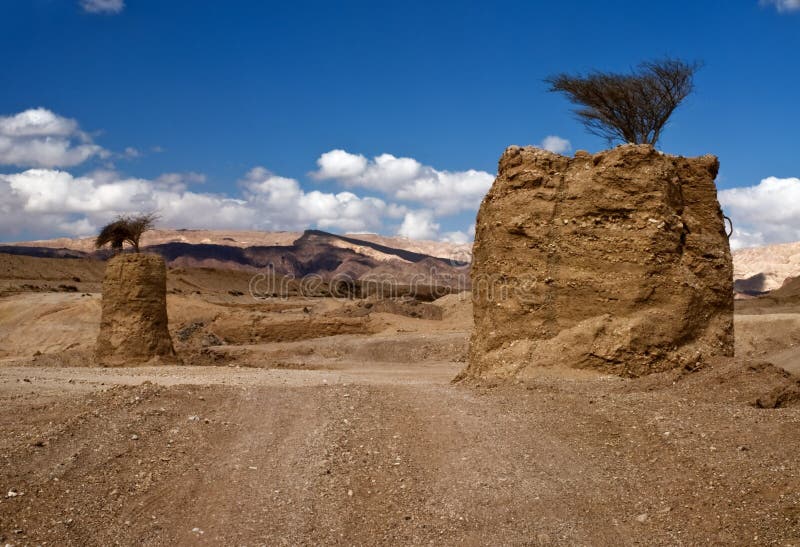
(617, 262)
(133, 327)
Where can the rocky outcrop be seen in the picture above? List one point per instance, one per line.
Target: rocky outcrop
(616, 262)
(133, 327)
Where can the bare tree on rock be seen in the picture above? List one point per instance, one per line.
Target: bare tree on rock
(632, 108)
(125, 229)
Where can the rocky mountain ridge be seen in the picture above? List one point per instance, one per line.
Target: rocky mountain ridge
(292, 254)
(757, 270)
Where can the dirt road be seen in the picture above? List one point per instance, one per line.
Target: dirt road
(361, 439)
(388, 454)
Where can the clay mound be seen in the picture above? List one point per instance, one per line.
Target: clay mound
(455, 304)
(756, 383)
(249, 330)
(456, 309)
(616, 262)
(787, 296)
(407, 307)
(782, 396)
(29, 274)
(133, 327)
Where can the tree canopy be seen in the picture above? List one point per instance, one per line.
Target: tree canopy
(125, 229)
(632, 108)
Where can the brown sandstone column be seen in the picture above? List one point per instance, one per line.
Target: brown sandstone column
(133, 328)
(616, 262)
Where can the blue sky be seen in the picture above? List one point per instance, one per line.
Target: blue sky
(222, 112)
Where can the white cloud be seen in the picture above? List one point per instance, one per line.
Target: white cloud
(768, 212)
(47, 201)
(40, 138)
(455, 237)
(103, 6)
(180, 181)
(406, 179)
(37, 122)
(419, 225)
(340, 164)
(782, 6)
(290, 205)
(556, 144)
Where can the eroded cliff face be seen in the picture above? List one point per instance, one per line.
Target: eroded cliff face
(133, 327)
(616, 262)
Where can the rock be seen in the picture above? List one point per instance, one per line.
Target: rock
(212, 339)
(183, 334)
(781, 396)
(642, 518)
(133, 328)
(616, 262)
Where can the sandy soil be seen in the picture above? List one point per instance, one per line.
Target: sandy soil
(378, 454)
(360, 438)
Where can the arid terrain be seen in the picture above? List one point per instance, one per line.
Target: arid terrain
(321, 420)
(763, 269)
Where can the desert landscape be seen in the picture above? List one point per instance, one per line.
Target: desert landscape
(322, 419)
(419, 273)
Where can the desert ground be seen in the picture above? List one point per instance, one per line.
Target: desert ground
(299, 421)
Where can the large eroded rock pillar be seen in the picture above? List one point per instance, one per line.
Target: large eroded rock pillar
(133, 327)
(616, 262)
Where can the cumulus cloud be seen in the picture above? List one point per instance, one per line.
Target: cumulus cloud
(768, 212)
(47, 201)
(556, 144)
(419, 225)
(291, 205)
(455, 237)
(180, 181)
(40, 138)
(783, 6)
(102, 6)
(406, 179)
(422, 224)
(338, 164)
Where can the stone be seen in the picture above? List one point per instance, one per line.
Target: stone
(616, 262)
(133, 327)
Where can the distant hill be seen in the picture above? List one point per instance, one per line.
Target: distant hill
(758, 270)
(294, 254)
